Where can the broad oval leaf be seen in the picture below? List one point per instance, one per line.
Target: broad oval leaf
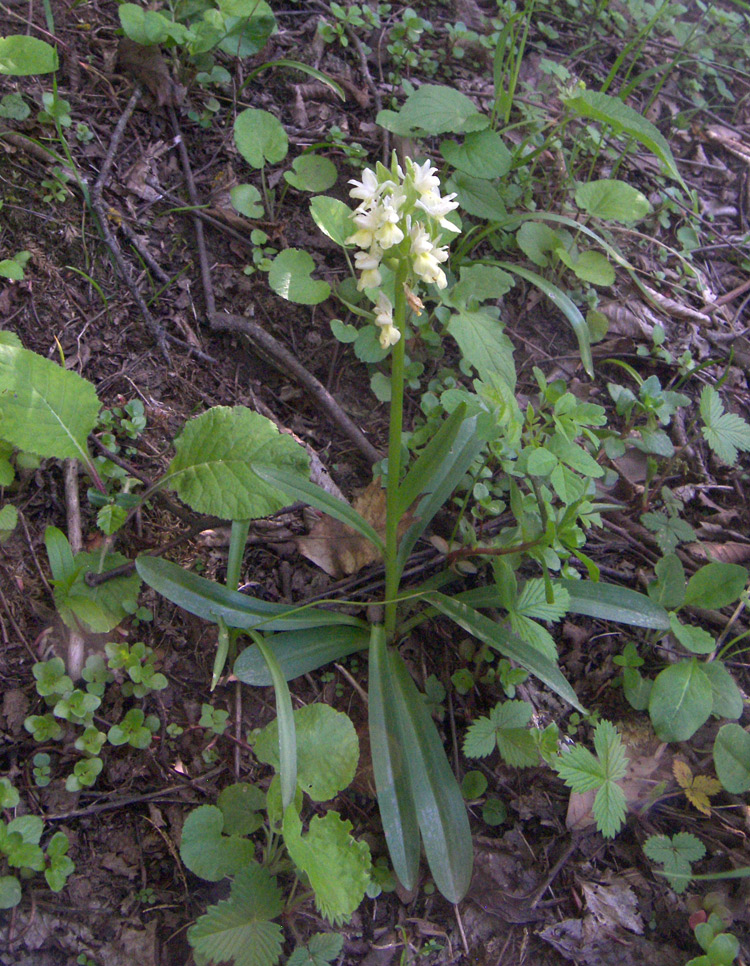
(21, 56)
(481, 337)
(260, 137)
(291, 278)
(715, 585)
(483, 154)
(681, 701)
(612, 199)
(213, 471)
(333, 217)
(211, 601)
(299, 652)
(726, 696)
(479, 197)
(206, 851)
(44, 409)
(434, 109)
(732, 758)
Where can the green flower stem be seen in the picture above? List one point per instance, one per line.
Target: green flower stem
(394, 452)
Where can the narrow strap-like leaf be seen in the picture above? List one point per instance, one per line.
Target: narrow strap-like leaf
(285, 715)
(465, 449)
(391, 766)
(299, 488)
(610, 602)
(441, 811)
(566, 306)
(507, 643)
(299, 652)
(210, 601)
(421, 474)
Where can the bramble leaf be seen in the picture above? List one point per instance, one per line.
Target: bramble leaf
(239, 929)
(676, 855)
(584, 772)
(506, 728)
(725, 433)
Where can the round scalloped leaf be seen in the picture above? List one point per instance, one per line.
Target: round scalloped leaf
(260, 138)
(246, 199)
(213, 469)
(208, 853)
(241, 805)
(327, 750)
(311, 172)
(290, 277)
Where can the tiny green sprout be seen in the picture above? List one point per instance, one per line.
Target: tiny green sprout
(51, 679)
(84, 774)
(43, 727)
(77, 707)
(42, 770)
(135, 729)
(215, 719)
(175, 730)
(84, 133)
(91, 741)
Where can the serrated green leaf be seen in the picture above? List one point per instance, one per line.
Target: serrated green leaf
(534, 634)
(481, 337)
(45, 409)
(213, 471)
(532, 601)
(319, 950)
(291, 278)
(327, 750)
(609, 809)
(337, 865)
(676, 855)
(694, 639)
(725, 433)
(505, 728)
(681, 701)
(311, 172)
(239, 930)
(333, 218)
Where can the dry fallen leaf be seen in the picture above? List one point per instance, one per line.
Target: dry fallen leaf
(340, 550)
(698, 789)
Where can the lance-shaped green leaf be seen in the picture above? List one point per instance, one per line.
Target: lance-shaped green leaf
(439, 804)
(421, 474)
(611, 602)
(298, 488)
(566, 306)
(299, 652)
(285, 719)
(624, 120)
(390, 766)
(210, 601)
(506, 643)
(467, 445)
(45, 409)
(214, 469)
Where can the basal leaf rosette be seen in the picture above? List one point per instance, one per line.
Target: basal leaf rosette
(401, 218)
